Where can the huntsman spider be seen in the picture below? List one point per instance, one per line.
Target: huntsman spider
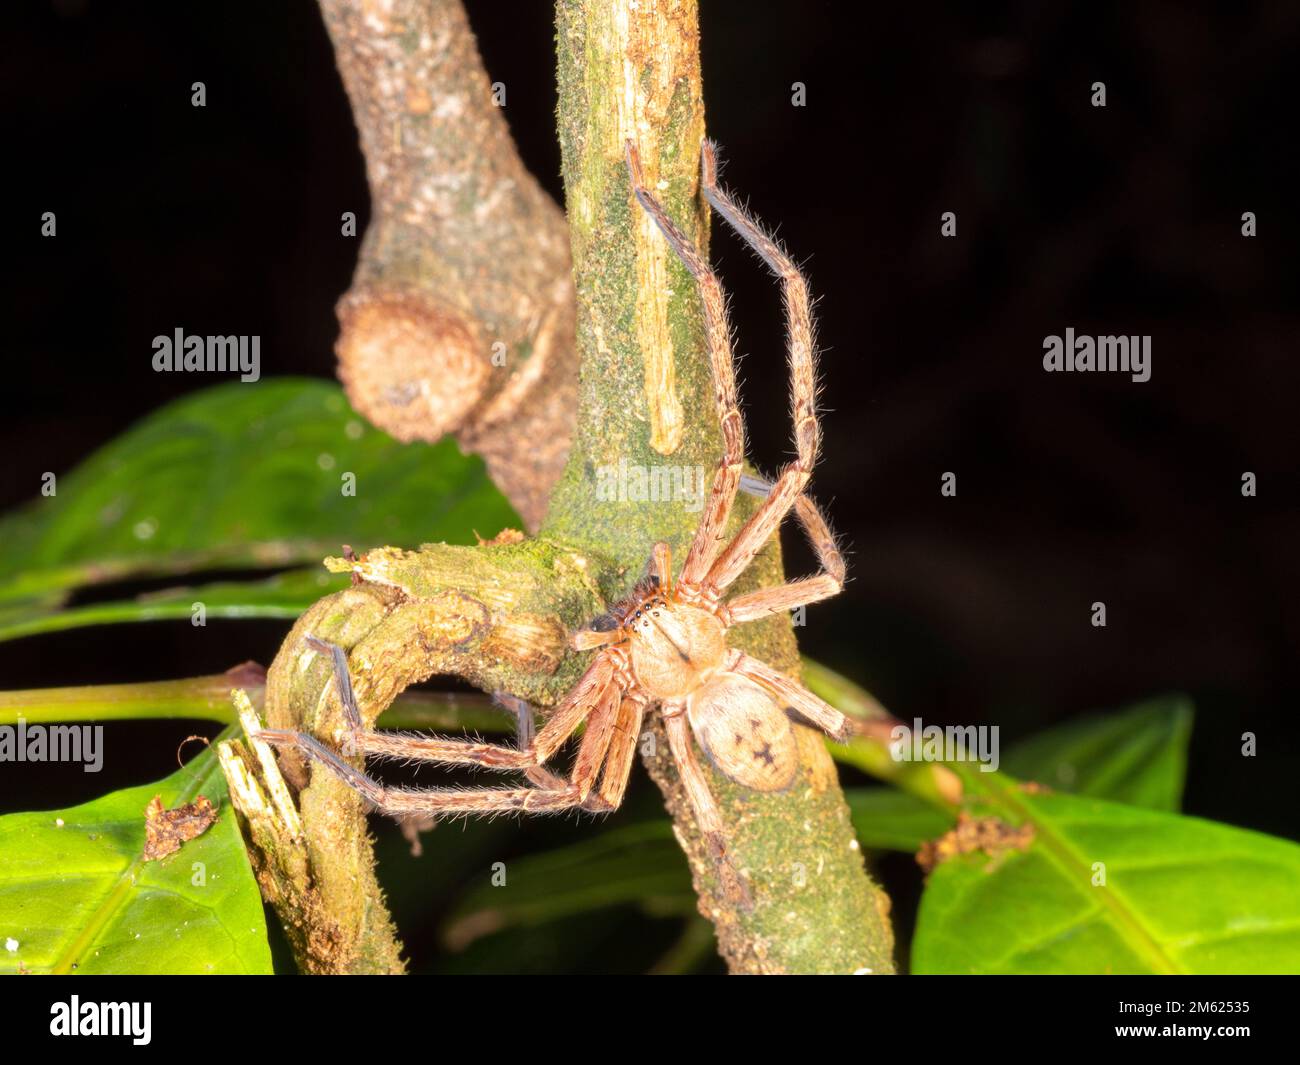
(665, 647)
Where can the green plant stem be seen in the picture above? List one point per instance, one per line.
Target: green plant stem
(208, 699)
(870, 751)
(198, 698)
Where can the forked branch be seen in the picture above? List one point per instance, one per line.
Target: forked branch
(500, 615)
(460, 316)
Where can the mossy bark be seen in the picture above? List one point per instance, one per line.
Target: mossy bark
(645, 400)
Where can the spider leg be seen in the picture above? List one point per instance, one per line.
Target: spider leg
(562, 724)
(594, 748)
(765, 601)
(707, 814)
(342, 681)
(803, 384)
(405, 802)
(794, 696)
(618, 761)
(798, 307)
(525, 730)
(717, 331)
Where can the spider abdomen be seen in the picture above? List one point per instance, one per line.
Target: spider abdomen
(745, 732)
(674, 647)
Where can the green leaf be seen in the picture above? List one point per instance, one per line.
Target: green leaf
(1181, 895)
(238, 476)
(886, 819)
(641, 864)
(286, 595)
(1137, 756)
(78, 896)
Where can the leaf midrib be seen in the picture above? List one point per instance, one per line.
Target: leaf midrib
(1144, 944)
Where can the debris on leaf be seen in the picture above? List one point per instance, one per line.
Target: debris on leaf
(991, 835)
(166, 830)
(505, 536)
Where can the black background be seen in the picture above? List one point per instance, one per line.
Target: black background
(1071, 488)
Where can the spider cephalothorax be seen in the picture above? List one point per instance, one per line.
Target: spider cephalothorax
(665, 647)
(676, 653)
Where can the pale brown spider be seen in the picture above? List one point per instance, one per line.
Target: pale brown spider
(666, 645)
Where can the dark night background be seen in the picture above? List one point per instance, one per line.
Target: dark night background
(1071, 487)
